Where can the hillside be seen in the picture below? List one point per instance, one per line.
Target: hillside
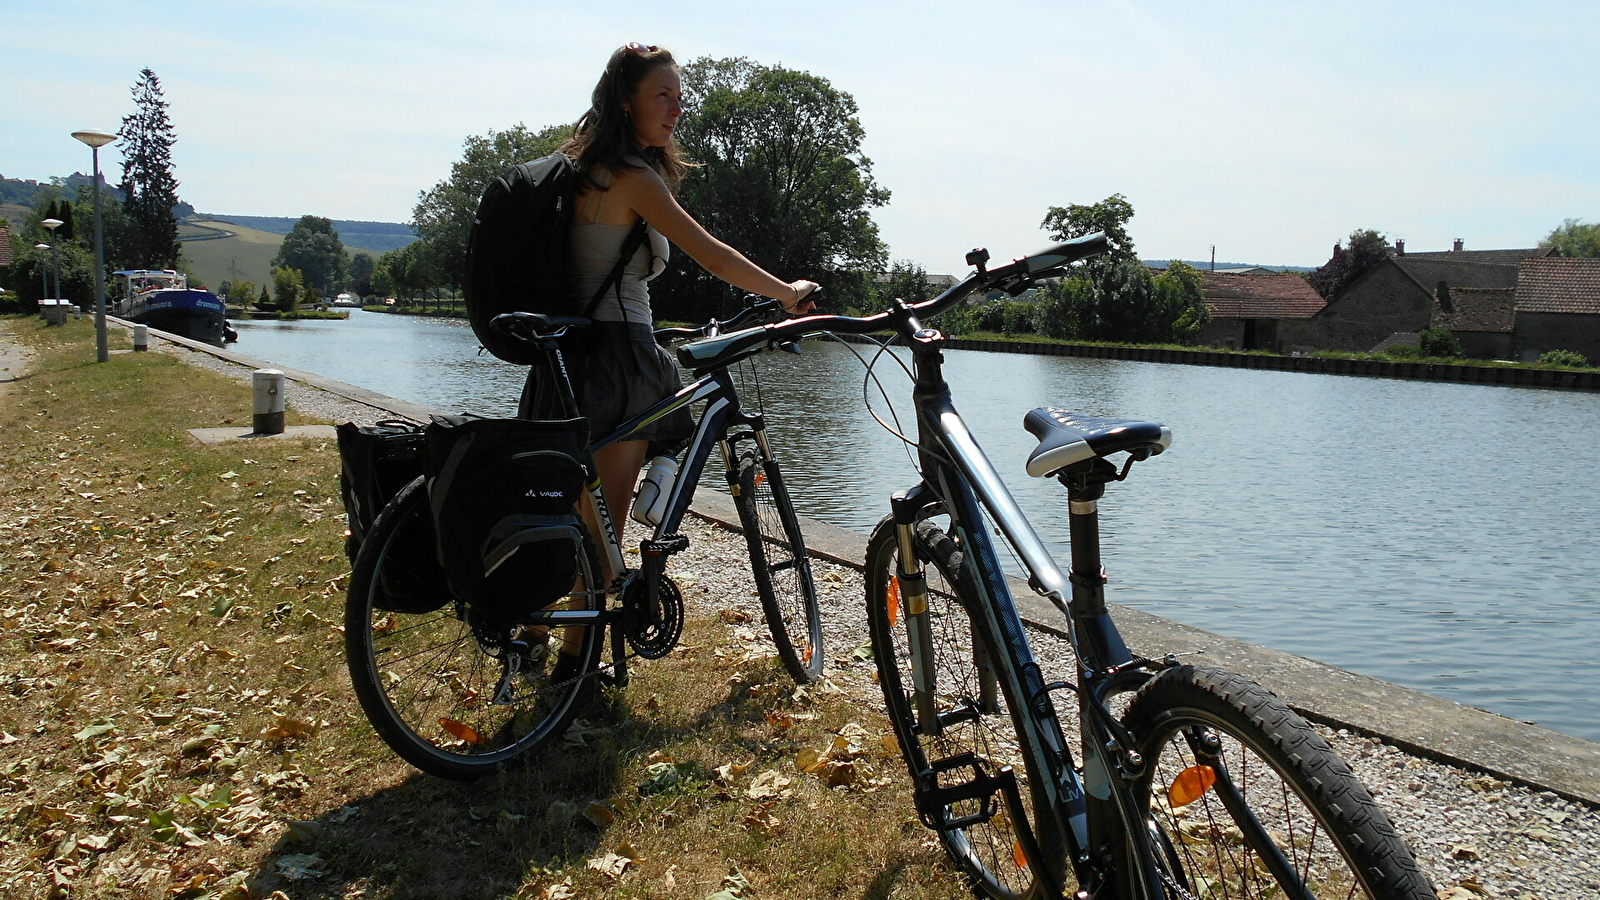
(373, 237)
(222, 251)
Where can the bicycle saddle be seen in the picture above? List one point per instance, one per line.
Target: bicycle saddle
(1067, 438)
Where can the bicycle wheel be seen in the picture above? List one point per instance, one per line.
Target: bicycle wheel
(975, 715)
(1246, 800)
(779, 562)
(454, 700)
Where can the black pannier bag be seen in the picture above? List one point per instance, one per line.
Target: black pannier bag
(377, 462)
(504, 495)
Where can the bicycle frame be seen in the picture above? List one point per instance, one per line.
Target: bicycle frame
(960, 481)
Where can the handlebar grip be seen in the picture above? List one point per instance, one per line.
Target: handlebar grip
(1068, 252)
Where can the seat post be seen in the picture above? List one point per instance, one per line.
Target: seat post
(1099, 641)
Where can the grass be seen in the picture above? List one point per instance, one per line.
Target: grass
(178, 722)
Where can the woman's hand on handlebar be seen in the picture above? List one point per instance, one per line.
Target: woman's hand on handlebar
(804, 299)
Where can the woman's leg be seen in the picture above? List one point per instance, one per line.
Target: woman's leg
(619, 466)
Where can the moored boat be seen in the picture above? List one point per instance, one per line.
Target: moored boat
(162, 298)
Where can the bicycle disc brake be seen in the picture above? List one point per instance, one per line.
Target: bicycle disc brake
(652, 628)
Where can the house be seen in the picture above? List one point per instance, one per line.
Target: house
(1254, 311)
(1398, 294)
(1558, 307)
(1482, 319)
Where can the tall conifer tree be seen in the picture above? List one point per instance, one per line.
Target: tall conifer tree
(151, 190)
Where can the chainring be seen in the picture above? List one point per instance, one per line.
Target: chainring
(652, 633)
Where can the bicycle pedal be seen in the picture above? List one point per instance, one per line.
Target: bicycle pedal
(667, 544)
(934, 796)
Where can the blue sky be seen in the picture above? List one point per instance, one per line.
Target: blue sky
(1269, 130)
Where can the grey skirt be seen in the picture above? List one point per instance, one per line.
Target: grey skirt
(617, 372)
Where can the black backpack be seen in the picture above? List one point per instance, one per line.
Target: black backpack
(504, 495)
(517, 252)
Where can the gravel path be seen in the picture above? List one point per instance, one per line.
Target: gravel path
(1474, 836)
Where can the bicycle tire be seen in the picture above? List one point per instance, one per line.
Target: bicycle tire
(988, 852)
(779, 562)
(427, 681)
(1269, 766)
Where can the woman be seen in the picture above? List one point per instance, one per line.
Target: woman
(624, 150)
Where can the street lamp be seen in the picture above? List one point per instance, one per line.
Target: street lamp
(44, 276)
(55, 252)
(97, 139)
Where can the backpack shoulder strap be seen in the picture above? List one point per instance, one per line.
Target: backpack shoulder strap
(630, 246)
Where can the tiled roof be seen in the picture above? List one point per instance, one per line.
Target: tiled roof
(1491, 257)
(1476, 309)
(1458, 273)
(5, 244)
(1274, 296)
(1555, 285)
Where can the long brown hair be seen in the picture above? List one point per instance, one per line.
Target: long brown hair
(604, 136)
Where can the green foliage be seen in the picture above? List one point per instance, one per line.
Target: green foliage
(313, 248)
(905, 280)
(1563, 358)
(265, 301)
(31, 268)
(361, 267)
(1439, 343)
(288, 284)
(1400, 351)
(148, 184)
(240, 293)
(406, 272)
(1109, 216)
(1575, 239)
(1367, 249)
(783, 179)
(443, 215)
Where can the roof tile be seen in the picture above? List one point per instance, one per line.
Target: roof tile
(1555, 285)
(1280, 295)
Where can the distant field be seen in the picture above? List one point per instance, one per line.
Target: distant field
(246, 254)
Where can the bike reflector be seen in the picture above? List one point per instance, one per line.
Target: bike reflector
(1190, 785)
(893, 601)
(461, 731)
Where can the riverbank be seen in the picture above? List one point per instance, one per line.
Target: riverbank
(254, 661)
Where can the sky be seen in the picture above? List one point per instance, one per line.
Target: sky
(1266, 130)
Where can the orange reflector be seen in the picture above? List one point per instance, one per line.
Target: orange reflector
(1018, 857)
(808, 656)
(461, 730)
(761, 478)
(1190, 784)
(893, 600)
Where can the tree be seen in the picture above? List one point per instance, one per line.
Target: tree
(361, 274)
(1110, 216)
(151, 191)
(1575, 239)
(1367, 249)
(266, 299)
(905, 280)
(313, 248)
(288, 284)
(443, 215)
(783, 179)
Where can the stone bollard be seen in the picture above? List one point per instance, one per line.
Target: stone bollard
(266, 388)
(141, 338)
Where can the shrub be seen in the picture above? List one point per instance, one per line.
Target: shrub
(1400, 351)
(1017, 316)
(1563, 358)
(1438, 342)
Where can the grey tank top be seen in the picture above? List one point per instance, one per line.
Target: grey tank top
(593, 250)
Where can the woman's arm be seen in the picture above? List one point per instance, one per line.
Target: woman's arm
(646, 194)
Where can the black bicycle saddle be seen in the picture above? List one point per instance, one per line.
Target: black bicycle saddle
(1067, 438)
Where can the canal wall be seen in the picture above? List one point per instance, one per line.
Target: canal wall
(1518, 376)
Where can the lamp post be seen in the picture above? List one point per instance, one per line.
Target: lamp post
(44, 275)
(97, 139)
(55, 251)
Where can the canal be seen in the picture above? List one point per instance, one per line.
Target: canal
(1441, 536)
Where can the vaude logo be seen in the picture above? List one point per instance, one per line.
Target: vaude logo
(538, 493)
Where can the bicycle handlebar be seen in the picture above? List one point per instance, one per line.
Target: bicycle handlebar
(1013, 277)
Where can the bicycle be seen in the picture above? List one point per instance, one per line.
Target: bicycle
(1193, 782)
(459, 699)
